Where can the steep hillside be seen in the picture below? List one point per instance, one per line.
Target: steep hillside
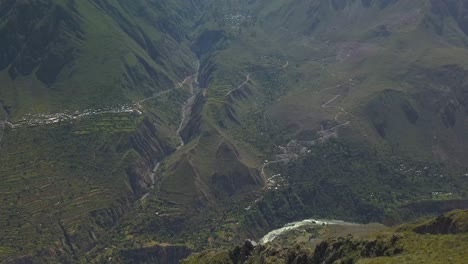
(78, 143)
(144, 130)
(69, 55)
(280, 80)
(390, 57)
(405, 244)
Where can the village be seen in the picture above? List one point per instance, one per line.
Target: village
(40, 119)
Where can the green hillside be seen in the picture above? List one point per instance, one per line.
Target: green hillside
(141, 131)
(440, 240)
(77, 153)
(78, 53)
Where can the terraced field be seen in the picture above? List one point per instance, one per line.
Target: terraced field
(145, 130)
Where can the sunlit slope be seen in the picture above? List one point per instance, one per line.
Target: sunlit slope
(394, 69)
(75, 151)
(69, 55)
(276, 85)
(285, 87)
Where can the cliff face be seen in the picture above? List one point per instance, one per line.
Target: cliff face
(339, 250)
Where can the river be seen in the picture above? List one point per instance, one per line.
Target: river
(295, 225)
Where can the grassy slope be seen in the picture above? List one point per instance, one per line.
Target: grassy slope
(278, 105)
(113, 35)
(60, 179)
(65, 185)
(376, 64)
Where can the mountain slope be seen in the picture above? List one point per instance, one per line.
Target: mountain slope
(281, 80)
(69, 54)
(149, 129)
(76, 151)
(406, 243)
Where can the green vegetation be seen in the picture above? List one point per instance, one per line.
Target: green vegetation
(395, 245)
(374, 90)
(351, 181)
(60, 176)
(91, 54)
(65, 185)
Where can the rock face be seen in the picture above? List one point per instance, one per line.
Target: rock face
(242, 254)
(349, 250)
(338, 250)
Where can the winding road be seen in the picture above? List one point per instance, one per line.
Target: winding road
(327, 105)
(187, 79)
(249, 75)
(270, 163)
(247, 79)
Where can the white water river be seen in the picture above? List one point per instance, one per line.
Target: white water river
(295, 225)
